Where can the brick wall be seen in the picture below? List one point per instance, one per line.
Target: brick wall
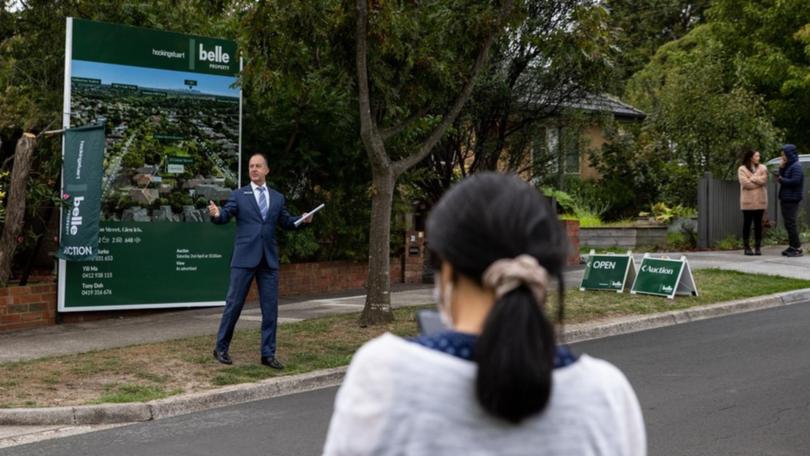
(572, 231)
(325, 277)
(28, 306)
(414, 257)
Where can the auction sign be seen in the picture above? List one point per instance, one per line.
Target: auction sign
(664, 277)
(172, 118)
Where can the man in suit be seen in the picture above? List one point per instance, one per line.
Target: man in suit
(258, 209)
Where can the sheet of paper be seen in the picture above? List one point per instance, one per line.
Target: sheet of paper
(307, 214)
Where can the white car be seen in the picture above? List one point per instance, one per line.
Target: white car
(804, 160)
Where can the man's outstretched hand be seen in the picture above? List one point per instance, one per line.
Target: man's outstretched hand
(213, 210)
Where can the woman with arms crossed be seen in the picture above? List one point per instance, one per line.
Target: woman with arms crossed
(753, 178)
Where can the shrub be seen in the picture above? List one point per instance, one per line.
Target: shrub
(730, 242)
(580, 204)
(680, 241)
(665, 214)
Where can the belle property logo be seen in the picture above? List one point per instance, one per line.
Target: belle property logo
(215, 58)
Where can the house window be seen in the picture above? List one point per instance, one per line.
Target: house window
(553, 145)
(570, 147)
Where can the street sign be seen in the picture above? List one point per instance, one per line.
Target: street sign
(664, 277)
(608, 272)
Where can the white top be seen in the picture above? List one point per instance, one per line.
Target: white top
(256, 193)
(400, 398)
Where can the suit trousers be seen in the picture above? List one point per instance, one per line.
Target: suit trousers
(240, 280)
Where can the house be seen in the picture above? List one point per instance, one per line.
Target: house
(572, 139)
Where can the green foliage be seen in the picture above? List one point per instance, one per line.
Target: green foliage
(730, 242)
(301, 112)
(584, 205)
(588, 196)
(775, 236)
(177, 200)
(564, 200)
(699, 115)
(665, 214)
(770, 41)
(559, 51)
(130, 392)
(631, 174)
(588, 220)
(299, 245)
(680, 241)
(131, 160)
(642, 26)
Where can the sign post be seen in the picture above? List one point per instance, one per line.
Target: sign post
(664, 277)
(608, 272)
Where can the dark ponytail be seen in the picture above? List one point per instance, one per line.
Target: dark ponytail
(515, 356)
(489, 217)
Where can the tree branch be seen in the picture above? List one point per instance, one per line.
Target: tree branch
(374, 145)
(407, 162)
(387, 133)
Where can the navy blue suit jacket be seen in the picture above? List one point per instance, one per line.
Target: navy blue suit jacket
(255, 236)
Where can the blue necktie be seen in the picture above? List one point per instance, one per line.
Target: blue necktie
(262, 202)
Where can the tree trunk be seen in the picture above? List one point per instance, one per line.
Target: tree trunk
(385, 171)
(377, 308)
(15, 208)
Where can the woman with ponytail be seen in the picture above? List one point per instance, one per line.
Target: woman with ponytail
(495, 383)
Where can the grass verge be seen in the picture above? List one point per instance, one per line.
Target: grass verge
(153, 371)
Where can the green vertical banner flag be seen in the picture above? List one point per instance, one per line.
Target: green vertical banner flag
(83, 169)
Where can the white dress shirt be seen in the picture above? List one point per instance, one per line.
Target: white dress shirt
(256, 194)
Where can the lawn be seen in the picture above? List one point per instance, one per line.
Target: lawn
(157, 370)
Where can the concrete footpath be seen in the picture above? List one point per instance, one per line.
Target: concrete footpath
(19, 426)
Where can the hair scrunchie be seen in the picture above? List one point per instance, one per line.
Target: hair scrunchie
(508, 274)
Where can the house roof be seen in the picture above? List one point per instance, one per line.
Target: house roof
(606, 103)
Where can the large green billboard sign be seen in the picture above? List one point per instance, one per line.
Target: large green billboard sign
(173, 126)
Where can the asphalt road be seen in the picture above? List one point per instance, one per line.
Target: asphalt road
(737, 385)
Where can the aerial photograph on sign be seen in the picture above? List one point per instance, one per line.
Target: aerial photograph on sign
(172, 138)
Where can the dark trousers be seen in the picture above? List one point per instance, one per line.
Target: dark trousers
(790, 211)
(241, 278)
(755, 217)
